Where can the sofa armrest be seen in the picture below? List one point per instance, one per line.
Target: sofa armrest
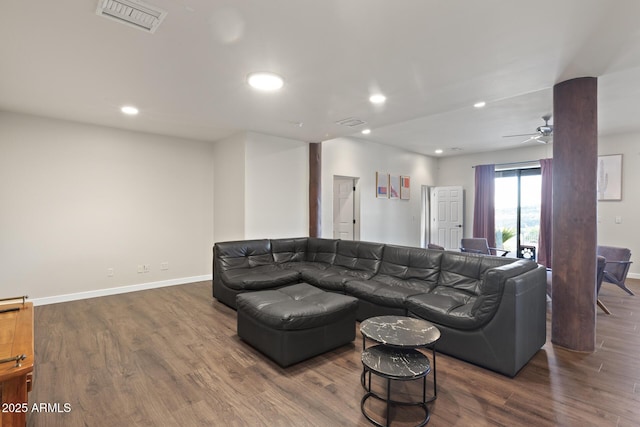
(519, 328)
(618, 262)
(495, 278)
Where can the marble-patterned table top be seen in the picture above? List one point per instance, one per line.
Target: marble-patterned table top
(400, 331)
(396, 363)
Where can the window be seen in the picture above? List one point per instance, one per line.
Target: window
(517, 211)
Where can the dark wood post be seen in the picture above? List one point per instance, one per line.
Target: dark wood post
(575, 157)
(315, 189)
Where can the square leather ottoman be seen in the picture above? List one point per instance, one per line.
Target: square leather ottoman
(296, 322)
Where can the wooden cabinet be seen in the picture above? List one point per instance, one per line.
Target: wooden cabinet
(16, 353)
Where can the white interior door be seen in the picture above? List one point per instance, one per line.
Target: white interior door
(447, 216)
(343, 208)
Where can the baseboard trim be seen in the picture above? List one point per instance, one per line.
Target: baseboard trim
(118, 290)
(144, 286)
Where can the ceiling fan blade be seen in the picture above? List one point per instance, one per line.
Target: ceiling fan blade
(533, 138)
(544, 139)
(523, 134)
(543, 134)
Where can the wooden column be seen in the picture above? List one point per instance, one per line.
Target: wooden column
(575, 156)
(315, 189)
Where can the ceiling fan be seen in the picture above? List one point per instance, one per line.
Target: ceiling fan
(542, 135)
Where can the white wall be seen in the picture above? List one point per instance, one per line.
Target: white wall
(627, 233)
(457, 171)
(381, 220)
(277, 187)
(78, 199)
(229, 188)
(261, 187)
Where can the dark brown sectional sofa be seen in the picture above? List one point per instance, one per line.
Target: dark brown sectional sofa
(491, 311)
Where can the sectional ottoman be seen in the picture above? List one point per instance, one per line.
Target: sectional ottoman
(296, 322)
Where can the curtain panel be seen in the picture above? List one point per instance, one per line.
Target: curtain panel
(484, 204)
(546, 213)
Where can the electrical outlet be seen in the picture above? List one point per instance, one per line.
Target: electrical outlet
(140, 268)
(164, 265)
(110, 272)
(146, 268)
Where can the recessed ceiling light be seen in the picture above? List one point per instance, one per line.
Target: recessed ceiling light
(264, 81)
(378, 98)
(129, 110)
(438, 151)
(366, 131)
(480, 104)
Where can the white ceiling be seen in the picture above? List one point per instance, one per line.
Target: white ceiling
(433, 59)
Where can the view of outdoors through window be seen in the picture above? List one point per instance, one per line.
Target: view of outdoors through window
(506, 209)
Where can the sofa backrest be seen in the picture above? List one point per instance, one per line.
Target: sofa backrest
(242, 254)
(365, 256)
(321, 250)
(289, 250)
(465, 271)
(411, 263)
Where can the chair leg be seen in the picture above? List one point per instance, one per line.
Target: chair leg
(627, 290)
(603, 307)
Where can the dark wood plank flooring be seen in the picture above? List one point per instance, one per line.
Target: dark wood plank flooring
(171, 357)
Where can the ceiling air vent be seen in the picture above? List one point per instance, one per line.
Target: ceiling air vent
(134, 13)
(351, 122)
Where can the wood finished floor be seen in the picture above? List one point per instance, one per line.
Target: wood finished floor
(171, 357)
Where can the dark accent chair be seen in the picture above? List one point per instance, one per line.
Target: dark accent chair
(617, 265)
(601, 263)
(434, 246)
(479, 245)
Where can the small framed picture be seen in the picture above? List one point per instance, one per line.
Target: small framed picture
(405, 187)
(382, 185)
(394, 187)
(610, 177)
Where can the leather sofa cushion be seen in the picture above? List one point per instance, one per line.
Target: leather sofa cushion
(266, 276)
(243, 254)
(460, 271)
(393, 293)
(446, 306)
(464, 271)
(333, 278)
(356, 255)
(306, 266)
(296, 307)
(289, 250)
(321, 250)
(411, 263)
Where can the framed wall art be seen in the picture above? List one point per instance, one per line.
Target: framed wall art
(382, 185)
(609, 176)
(394, 187)
(405, 187)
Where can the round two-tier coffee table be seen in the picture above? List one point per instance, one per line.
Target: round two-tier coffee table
(396, 357)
